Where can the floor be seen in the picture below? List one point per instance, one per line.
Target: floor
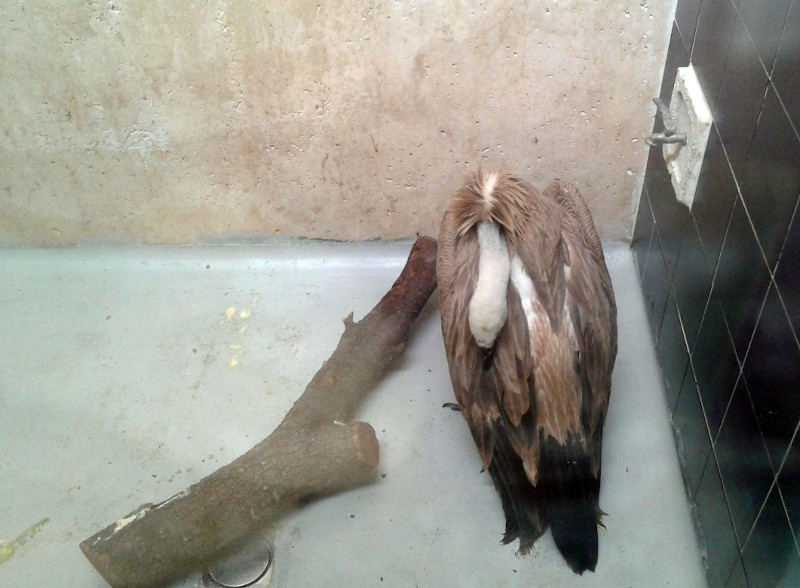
(127, 375)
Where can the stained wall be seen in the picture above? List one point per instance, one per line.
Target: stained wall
(162, 122)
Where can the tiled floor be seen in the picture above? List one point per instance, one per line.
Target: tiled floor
(117, 388)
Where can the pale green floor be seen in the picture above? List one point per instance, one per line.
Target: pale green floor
(116, 389)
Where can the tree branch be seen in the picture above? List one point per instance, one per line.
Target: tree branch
(311, 453)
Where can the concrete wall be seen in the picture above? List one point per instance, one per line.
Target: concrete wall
(179, 122)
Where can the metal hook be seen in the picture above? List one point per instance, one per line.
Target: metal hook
(669, 135)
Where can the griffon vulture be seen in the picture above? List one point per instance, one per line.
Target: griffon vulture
(529, 326)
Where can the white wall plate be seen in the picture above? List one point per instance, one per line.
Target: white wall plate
(693, 117)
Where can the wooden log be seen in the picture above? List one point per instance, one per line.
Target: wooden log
(311, 453)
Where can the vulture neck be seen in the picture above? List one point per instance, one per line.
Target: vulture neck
(487, 309)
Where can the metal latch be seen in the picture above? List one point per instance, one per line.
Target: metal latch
(669, 135)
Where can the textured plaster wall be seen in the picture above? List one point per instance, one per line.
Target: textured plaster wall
(178, 122)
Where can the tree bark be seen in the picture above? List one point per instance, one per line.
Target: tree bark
(311, 453)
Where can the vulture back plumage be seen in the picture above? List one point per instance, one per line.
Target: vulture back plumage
(529, 326)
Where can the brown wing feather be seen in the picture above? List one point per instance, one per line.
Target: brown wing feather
(513, 370)
(512, 365)
(545, 256)
(542, 253)
(592, 308)
(456, 268)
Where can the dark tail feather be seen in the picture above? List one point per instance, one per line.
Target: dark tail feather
(516, 493)
(572, 494)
